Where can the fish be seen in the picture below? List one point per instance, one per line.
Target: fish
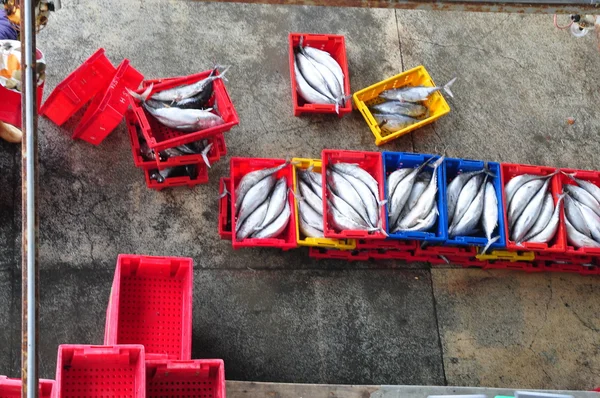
(311, 198)
(369, 201)
(161, 175)
(467, 194)
(454, 189)
(312, 76)
(324, 58)
(549, 230)
(403, 108)
(254, 198)
(425, 202)
(360, 173)
(277, 226)
(308, 230)
(394, 178)
(180, 93)
(422, 225)
(469, 221)
(314, 188)
(543, 218)
(307, 92)
(391, 124)
(415, 93)
(415, 194)
(530, 214)
(577, 239)
(355, 220)
(276, 202)
(583, 196)
(146, 152)
(253, 221)
(489, 217)
(169, 153)
(251, 179)
(344, 189)
(336, 89)
(310, 216)
(592, 188)
(316, 178)
(520, 200)
(517, 182)
(573, 213)
(402, 193)
(186, 120)
(591, 219)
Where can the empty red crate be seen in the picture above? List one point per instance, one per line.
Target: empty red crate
(224, 209)
(335, 45)
(160, 137)
(370, 162)
(107, 108)
(172, 182)
(239, 167)
(593, 177)
(349, 255)
(100, 371)
(78, 88)
(151, 304)
(11, 388)
(558, 243)
(198, 378)
(392, 244)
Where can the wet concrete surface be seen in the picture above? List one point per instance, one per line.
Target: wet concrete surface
(334, 322)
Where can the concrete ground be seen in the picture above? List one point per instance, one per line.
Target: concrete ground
(275, 316)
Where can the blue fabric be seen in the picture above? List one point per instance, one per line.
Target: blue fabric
(7, 32)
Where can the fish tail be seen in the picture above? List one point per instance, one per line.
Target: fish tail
(489, 243)
(444, 258)
(224, 193)
(205, 152)
(222, 74)
(143, 96)
(447, 87)
(487, 171)
(382, 203)
(295, 194)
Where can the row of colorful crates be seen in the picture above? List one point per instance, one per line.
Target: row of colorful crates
(380, 165)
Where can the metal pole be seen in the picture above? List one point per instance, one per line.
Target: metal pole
(29, 357)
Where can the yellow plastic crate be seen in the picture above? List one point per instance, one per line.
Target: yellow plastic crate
(340, 244)
(505, 255)
(369, 96)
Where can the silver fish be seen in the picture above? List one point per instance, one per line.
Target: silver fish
(253, 221)
(466, 196)
(415, 94)
(454, 188)
(342, 188)
(355, 220)
(360, 173)
(276, 202)
(489, 217)
(517, 182)
(591, 219)
(254, 198)
(469, 221)
(529, 214)
(415, 194)
(310, 216)
(394, 178)
(393, 123)
(276, 227)
(311, 198)
(543, 219)
(335, 88)
(550, 230)
(520, 200)
(583, 196)
(179, 93)
(324, 58)
(314, 187)
(403, 108)
(307, 92)
(578, 239)
(402, 192)
(573, 213)
(313, 76)
(370, 203)
(592, 188)
(423, 225)
(307, 230)
(423, 206)
(251, 179)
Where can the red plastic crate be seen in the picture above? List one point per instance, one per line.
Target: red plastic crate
(370, 162)
(593, 177)
(390, 254)
(564, 258)
(508, 265)
(558, 243)
(392, 244)
(197, 378)
(172, 182)
(11, 388)
(583, 269)
(78, 88)
(335, 45)
(107, 108)
(349, 255)
(224, 209)
(467, 262)
(151, 304)
(239, 167)
(132, 125)
(160, 137)
(100, 371)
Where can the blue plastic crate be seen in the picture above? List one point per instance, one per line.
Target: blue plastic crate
(395, 160)
(457, 166)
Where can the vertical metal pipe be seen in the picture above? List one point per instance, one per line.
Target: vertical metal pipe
(29, 159)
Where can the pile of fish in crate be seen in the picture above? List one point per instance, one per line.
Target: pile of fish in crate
(356, 205)
(147, 341)
(175, 125)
